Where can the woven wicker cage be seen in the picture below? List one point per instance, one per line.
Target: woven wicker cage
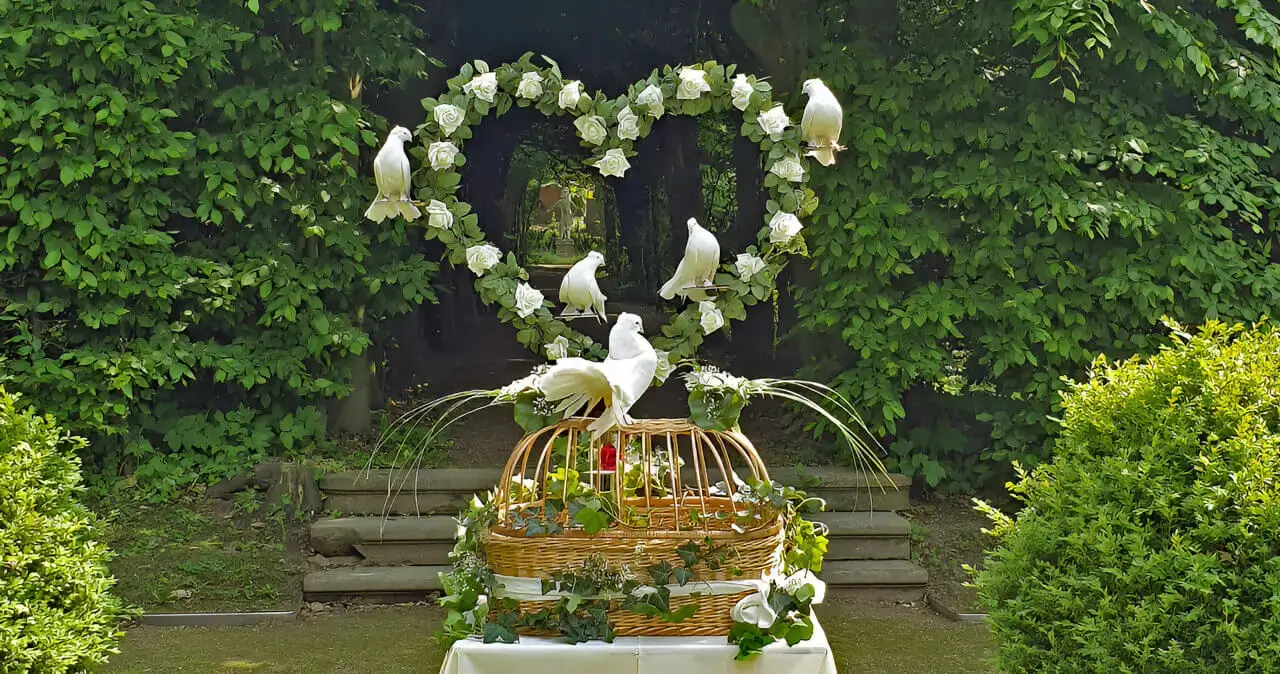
(667, 482)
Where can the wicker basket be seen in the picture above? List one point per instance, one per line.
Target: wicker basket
(670, 480)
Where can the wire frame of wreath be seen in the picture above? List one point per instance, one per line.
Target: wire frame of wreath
(609, 128)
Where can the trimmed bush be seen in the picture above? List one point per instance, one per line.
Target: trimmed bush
(56, 611)
(1151, 543)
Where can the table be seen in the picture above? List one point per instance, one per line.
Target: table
(638, 655)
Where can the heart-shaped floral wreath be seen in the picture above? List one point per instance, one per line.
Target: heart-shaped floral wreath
(609, 128)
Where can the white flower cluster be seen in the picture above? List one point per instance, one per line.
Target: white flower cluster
(710, 377)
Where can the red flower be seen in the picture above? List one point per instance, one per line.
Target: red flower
(608, 458)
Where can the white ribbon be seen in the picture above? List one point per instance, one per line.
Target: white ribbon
(530, 589)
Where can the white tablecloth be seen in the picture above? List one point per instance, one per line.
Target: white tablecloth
(638, 655)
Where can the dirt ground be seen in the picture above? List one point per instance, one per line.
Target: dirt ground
(947, 534)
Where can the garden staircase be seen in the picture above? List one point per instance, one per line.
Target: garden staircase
(364, 555)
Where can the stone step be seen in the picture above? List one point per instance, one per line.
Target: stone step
(900, 579)
(428, 540)
(445, 490)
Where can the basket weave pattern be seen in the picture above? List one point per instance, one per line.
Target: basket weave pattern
(666, 509)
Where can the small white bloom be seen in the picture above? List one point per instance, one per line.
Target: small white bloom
(439, 215)
(774, 121)
(449, 117)
(748, 265)
(530, 85)
(792, 584)
(482, 257)
(710, 317)
(783, 227)
(664, 366)
(741, 92)
(651, 99)
(788, 168)
(693, 82)
(613, 163)
(441, 154)
(754, 609)
(528, 300)
(515, 388)
(570, 94)
(482, 86)
(557, 348)
(628, 124)
(591, 128)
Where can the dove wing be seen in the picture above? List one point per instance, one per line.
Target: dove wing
(380, 174)
(576, 383)
(405, 180)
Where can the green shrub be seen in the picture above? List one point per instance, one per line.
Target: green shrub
(1151, 543)
(56, 611)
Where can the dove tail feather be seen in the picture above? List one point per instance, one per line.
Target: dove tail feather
(668, 290)
(380, 210)
(408, 211)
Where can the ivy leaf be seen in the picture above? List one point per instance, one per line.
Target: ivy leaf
(682, 576)
(689, 553)
(661, 573)
(502, 634)
(592, 520)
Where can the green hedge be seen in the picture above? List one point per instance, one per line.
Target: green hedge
(985, 235)
(1151, 543)
(56, 610)
(185, 273)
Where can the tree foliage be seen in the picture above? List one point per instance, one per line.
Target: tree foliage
(1149, 543)
(1026, 187)
(183, 264)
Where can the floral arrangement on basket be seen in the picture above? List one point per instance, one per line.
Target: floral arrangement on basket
(635, 536)
(655, 527)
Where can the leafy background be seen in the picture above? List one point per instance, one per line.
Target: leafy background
(184, 276)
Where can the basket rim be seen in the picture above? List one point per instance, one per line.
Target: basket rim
(764, 531)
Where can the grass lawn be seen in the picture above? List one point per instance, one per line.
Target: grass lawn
(866, 640)
(186, 556)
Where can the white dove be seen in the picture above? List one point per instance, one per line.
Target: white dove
(578, 384)
(697, 267)
(391, 170)
(579, 290)
(821, 123)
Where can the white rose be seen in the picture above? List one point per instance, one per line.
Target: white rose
(482, 86)
(651, 99)
(710, 317)
(592, 129)
(530, 85)
(441, 154)
(664, 366)
(449, 117)
(788, 168)
(528, 300)
(741, 92)
(783, 227)
(613, 163)
(774, 121)
(748, 265)
(439, 215)
(570, 94)
(515, 388)
(792, 584)
(557, 348)
(754, 609)
(693, 82)
(628, 124)
(482, 258)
